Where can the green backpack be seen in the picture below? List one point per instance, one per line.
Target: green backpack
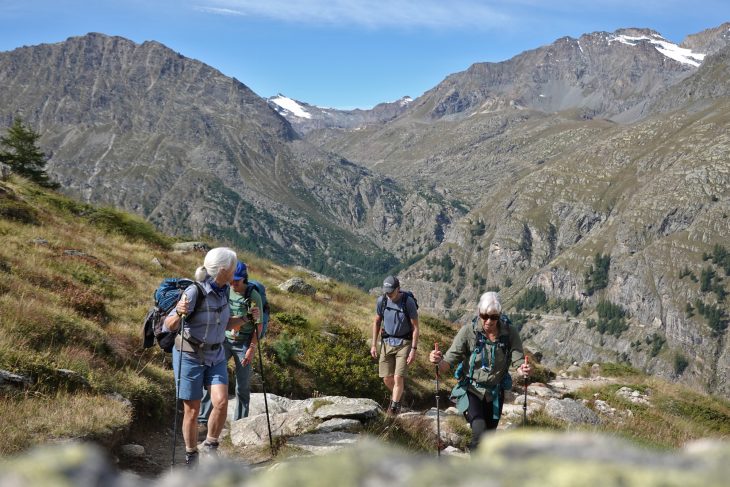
(459, 392)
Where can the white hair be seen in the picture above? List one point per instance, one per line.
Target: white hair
(216, 259)
(489, 304)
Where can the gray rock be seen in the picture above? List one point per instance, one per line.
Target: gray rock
(324, 443)
(276, 404)
(297, 285)
(254, 429)
(518, 457)
(70, 463)
(5, 172)
(339, 424)
(345, 407)
(634, 396)
(8, 378)
(118, 397)
(185, 247)
(571, 411)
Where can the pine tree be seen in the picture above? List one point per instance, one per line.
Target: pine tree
(19, 150)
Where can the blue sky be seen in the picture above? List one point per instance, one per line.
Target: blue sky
(347, 53)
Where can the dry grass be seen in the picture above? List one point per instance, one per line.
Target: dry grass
(675, 416)
(32, 420)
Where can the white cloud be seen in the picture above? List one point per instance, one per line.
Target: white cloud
(367, 13)
(220, 11)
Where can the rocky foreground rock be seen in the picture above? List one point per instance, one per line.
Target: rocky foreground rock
(520, 457)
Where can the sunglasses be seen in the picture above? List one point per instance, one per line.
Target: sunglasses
(489, 317)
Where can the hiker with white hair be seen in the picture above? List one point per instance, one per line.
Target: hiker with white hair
(198, 357)
(482, 353)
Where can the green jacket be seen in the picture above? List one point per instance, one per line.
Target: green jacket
(492, 364)
(239, 308)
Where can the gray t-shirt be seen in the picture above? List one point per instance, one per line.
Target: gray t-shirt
(396, 325)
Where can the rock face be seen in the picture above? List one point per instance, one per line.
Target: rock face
(142, 128)
(514, 458)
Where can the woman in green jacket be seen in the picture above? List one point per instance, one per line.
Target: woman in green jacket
(483, 352)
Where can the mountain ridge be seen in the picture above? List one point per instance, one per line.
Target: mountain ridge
(477, 184)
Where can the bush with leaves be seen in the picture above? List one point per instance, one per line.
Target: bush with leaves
(340, 363)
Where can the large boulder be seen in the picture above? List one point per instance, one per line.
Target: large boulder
(571, 411)
(297, 285)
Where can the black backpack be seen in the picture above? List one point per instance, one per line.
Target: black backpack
(383, 306)
(166, 297)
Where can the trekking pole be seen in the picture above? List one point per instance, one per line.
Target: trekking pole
(438, 411)
(266, 402)
(177, 386)
(524, 404)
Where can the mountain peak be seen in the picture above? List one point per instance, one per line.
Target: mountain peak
(286, 106)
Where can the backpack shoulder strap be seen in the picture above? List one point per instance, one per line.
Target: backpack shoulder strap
(201, 294)
(382, 304)
(406, 296)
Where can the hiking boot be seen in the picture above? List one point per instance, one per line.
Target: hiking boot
(191, 459)
(393, 409)
(209, 448)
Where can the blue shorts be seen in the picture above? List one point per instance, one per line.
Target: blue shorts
(194, 375)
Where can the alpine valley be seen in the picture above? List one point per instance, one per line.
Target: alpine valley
(590, 174)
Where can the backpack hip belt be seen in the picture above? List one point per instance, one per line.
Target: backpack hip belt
(405, 336)
(188, 346)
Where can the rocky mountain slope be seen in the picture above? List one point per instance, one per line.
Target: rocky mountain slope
(305, 117)
(143, 128)
(548, 191)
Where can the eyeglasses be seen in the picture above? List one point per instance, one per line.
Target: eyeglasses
(489, 317)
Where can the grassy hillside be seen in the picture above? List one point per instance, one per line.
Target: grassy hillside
(77, 281)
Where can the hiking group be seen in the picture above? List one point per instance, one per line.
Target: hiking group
(221, 314)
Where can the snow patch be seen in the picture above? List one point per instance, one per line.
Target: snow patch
(291, 106)
(669, 49)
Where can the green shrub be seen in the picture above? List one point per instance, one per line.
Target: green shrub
(572, 305)
(13, 209)
(130, 226)
(611, 369)
(293, 320)
(340, 364)
(519, 320)
(657, 342)
(596, 278)
(706, 277)
(286, 348)
(532, 298)
(680, 363)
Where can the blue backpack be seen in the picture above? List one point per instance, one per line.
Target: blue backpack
(382, 306)
(261, 289)
(166, 297)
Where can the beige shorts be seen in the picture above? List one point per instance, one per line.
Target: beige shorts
(393, 359)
